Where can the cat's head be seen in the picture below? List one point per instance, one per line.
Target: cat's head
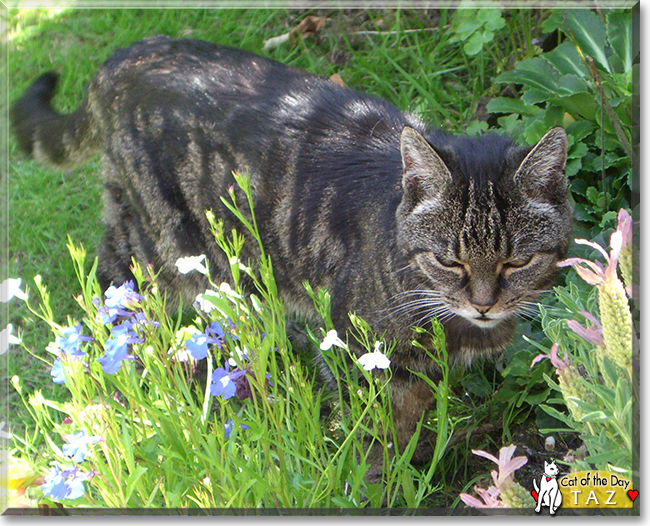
(483, 223)
(551, 469)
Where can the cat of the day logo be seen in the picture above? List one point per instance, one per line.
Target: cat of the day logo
(585, 489)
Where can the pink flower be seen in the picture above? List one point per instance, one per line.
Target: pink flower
(489, 497)
(596, 274)
(593, 335)
(559, 365)
(624, 226)
(507, 464)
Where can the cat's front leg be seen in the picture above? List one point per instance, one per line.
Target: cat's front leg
(411, 398)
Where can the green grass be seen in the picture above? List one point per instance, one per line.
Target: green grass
(407, 57)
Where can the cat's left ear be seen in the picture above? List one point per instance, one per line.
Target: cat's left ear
(425, 174)
(541, 174)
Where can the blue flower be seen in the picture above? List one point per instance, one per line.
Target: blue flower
(58, 375)
(217, 332)
(105, 315)
(224, 382)
(228, 427)
(67, 346)
(126, 329)
(118, 300)
(116, 352)
(75, 484)
(117, 347)
(55, 485)
(69, 341)
(140, 318)
(77, 446)
(124, 296)
(65, 484)
(197, 345)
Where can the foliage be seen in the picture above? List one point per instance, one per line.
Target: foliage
(585, 85)
(475, 29)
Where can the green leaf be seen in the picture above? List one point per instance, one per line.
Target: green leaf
(534, 73)
(593, 194)
(551, 411)
(619, 34)
(578, 151)
(537, 398)
(596, 416)
(476, 128)
(511, 124)
(566, 60)
(510, 105)
(132, 481)
(573, 166)
(589, 33)
(579, 105)
(535, 96)
(574, 84)
(474, 45)
(535, 132)
(467, 28)
(553, 22)
(580, 129)
(478, 385)
(493, 19)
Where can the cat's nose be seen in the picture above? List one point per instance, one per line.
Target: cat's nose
(482, 308)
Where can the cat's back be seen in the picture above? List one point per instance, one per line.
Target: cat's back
(202, 77)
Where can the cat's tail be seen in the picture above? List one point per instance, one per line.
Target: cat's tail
(535, 485)
(50, 138)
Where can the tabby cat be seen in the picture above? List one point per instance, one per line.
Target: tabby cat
(398, 222)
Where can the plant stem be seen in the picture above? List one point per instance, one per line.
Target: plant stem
(613, 118)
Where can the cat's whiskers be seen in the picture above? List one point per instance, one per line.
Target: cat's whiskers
(410, 311)
(417, 300)
(398, 271)
(447, 314)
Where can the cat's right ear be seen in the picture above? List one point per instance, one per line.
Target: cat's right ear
(425, 175)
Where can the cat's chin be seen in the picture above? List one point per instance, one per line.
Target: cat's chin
(485, 323)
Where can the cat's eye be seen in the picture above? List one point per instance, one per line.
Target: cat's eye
(519, 262)
(448, 263)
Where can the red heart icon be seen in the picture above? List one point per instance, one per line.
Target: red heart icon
(633, 494)
(536, 496)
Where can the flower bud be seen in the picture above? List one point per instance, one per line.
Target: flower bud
(617, 323)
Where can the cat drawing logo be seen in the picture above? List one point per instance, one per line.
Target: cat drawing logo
(548, 493)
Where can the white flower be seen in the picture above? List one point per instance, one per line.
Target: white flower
(241, 355)
(6, 338)
(332, 338)
(10, 288)
(227, 290)
(205, 304)
(374, 360)
(190, 263)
